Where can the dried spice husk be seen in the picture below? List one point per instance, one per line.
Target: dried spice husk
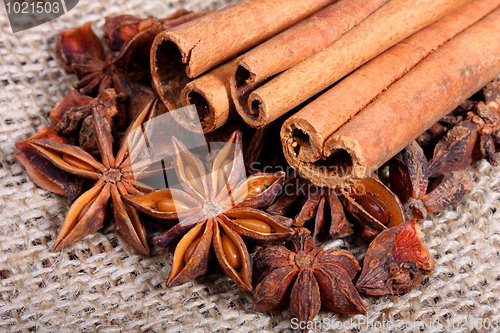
(370, 203)
(42, 172)
(396, 261)
(132, 61)
(472, 135)
(114, 179)
(373, 205)
(454, 151)
(306, 277)
(77, 46)
(409, 177)
(210, 209)
(73, 99)
(119, 30)
(78, 119)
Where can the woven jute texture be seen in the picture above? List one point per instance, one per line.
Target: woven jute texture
(101, 285)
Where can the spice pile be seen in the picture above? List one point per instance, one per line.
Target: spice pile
(220, 213)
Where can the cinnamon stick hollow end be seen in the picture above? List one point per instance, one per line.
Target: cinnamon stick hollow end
(168, 70)
(191, 49)
(301, 139)
(210, 94)
(305, 133)
(262, 63)
(344, 166)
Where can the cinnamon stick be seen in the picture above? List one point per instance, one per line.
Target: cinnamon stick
(437, 85)
(387, 26)
(303, 135)
(301, 41)
(186, 51)
(210, 94)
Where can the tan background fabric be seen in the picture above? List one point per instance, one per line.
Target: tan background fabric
(101, 285)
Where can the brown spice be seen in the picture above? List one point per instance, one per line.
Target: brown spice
(319, 204)
(409, 177)
(396, 261)
(381, 130)
(306, 277)
(75, 115)
(215, 210)
(42, 172)
(370, 203)
(114, 179)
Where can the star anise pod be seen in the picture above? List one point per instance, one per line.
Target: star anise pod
(373, 206)
(114, 178)
(74, 115)
(306, 277)
(318, 203)
(81, 52)
(215, 210)
(410, 180)
(396, 262)
(42, 172)
(473, 137)
(370, 203)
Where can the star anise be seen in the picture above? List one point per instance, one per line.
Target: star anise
(420, 194)
(306, 277)
(370, 203)
(474, 136)
(42, 172)
(81, 52)
(114, 178)
(215, 210)
(396, 261)
(319, 203)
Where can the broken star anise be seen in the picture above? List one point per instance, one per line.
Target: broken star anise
(114, 179)
(395, 262)
(214, 210)
(306, 277)
(74, 115)
(410, 179)
(476, 134)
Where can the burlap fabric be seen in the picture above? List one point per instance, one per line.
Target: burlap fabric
(101, 285)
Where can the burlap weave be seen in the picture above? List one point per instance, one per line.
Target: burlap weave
(101, 285)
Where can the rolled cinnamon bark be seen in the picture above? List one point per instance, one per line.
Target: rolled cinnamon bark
(387, 26)
(437, 85)
(186, 51)
(303, 135)
(301, 41)
(210, 94)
